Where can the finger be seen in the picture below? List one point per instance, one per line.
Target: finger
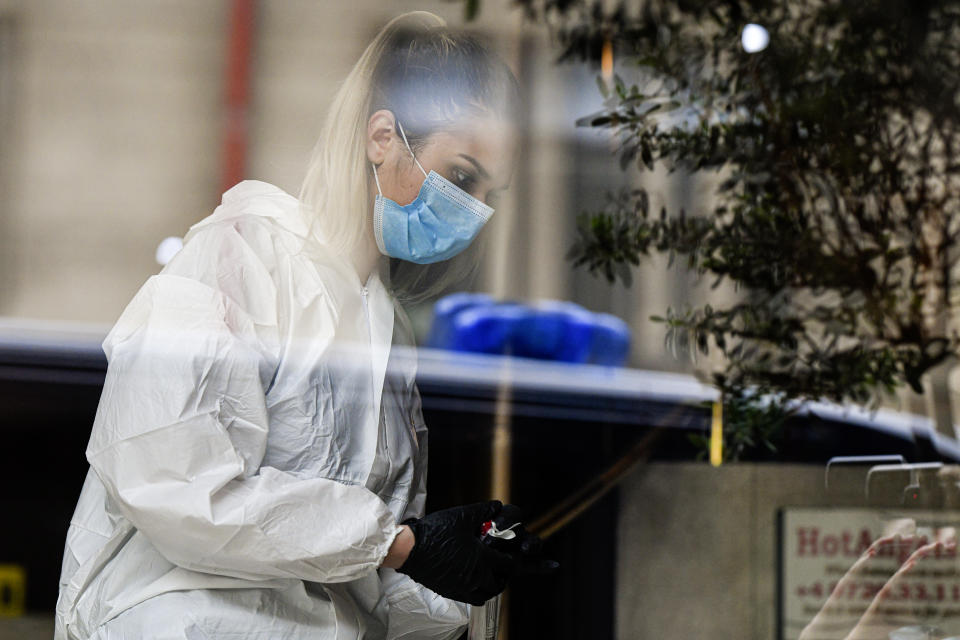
(511, 514)
(480, 597)
(476, 585)
(493, 586)
(477, 598)
(530, 544)
(907, 567)
(935, 550)
(883, 541)
(501, 563)
(489, 582)
(480, 512)
(537, 567)
(482, 594)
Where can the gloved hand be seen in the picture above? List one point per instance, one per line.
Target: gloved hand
(525, 547)
(448, 557)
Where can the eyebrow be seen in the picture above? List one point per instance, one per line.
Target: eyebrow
(480, 169)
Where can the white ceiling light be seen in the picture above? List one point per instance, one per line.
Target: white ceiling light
(754, 38)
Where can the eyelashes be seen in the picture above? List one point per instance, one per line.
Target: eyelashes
(469, 183)
(463, 179)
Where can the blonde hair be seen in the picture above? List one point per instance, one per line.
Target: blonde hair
(428, 76)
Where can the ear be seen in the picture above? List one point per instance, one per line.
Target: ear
(380, 135)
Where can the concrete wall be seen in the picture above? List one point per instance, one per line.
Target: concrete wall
(117, 125)
(696, 548)
(114, 147)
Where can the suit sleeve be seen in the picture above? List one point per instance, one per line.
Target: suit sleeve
(416, 611)
(182, 427)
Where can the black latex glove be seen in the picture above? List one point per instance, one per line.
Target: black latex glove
(526, 548)
(448, 557)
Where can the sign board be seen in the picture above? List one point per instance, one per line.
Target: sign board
(880, 571)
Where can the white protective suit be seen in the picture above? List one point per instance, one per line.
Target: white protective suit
(253, 450)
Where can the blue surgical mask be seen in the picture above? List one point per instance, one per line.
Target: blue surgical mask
(440, 222)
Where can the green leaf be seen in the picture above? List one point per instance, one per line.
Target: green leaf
(619, 86)
(604, 90)
(646, 155)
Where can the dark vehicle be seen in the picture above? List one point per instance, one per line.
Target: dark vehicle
(563, 436)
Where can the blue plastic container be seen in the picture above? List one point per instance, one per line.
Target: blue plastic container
(556, 330)
(444, 313)
(550, 330)
(487, 329)
(540, 334)
(611, 340)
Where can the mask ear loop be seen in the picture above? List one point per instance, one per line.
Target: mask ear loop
(400, 127)
(375, 178)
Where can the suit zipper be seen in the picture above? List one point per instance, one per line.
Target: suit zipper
(365, 292)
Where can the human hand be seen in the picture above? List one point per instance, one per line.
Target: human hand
(906, 599)
(525, 547)
(842, 611)
(448, 557)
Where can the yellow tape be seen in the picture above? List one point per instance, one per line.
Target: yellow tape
(13, 590)
(716, 435)
(606, 60)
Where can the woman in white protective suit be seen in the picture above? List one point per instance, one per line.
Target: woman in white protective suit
(258, 460)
